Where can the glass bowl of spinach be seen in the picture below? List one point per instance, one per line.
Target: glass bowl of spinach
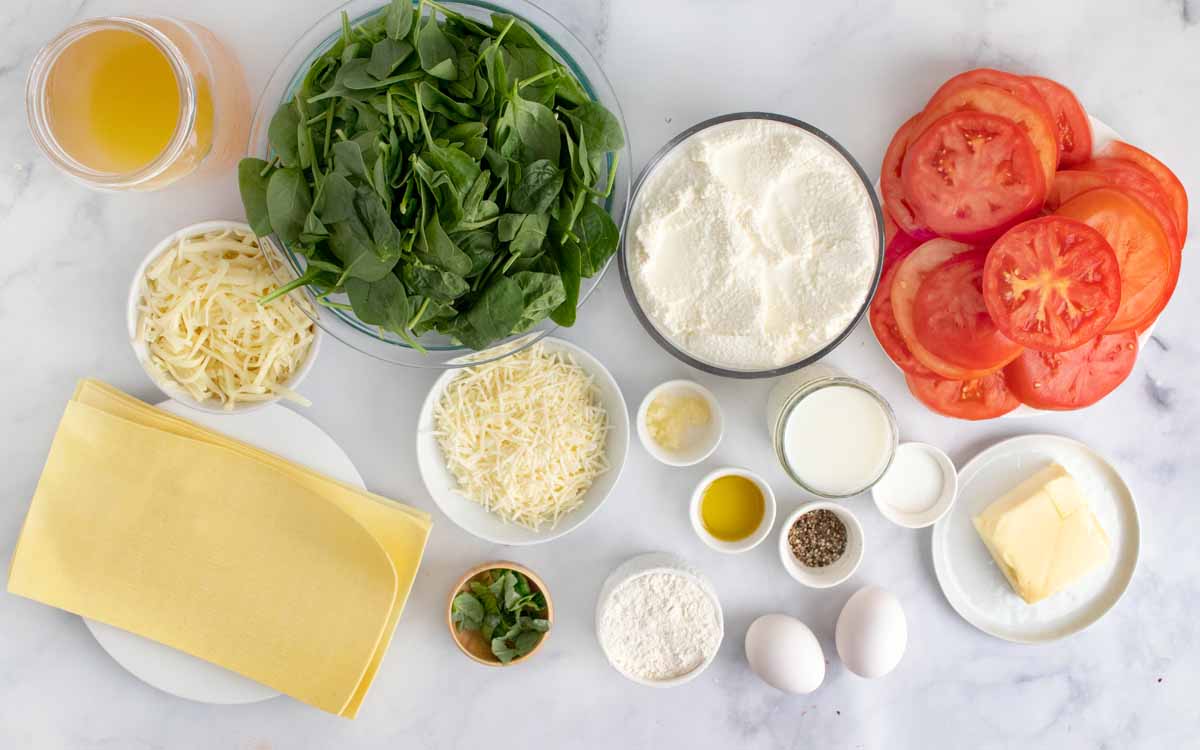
(445, 180)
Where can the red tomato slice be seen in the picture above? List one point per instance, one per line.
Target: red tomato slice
(1052, 284)
(890, 229)
(899, 246)
(952, 320)
(1019, 86)
(1069, 183)
(981, 398)
(1143, 252)
(891, 186)
(883, 320)
(1171, 185)
(1074, 379)
(1070, 121)
(971, 175)
(910, 272)
(1140, 184)
(1033, 117)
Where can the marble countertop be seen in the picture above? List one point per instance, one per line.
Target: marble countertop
(855, 69)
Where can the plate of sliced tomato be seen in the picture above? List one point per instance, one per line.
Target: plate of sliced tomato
(1030, 250)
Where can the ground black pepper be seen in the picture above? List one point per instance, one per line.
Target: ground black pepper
(818, 538)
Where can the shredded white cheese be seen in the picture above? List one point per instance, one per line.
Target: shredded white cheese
(203, 328)
(524, 436)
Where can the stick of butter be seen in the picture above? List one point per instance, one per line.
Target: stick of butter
(1043, 534)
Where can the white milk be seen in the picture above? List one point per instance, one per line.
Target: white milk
(837, 439)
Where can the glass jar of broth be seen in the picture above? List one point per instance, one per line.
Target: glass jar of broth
(137, 103)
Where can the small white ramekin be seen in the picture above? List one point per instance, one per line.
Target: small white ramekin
(716, 428)
(764, 526)
(836, 572)
(169, 387)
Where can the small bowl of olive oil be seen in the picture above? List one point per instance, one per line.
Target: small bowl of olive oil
(733, 510)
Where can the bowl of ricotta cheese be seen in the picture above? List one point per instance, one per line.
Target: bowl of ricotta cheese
(754, 245)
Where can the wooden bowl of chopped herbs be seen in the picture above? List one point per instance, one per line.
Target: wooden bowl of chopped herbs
(499, 613)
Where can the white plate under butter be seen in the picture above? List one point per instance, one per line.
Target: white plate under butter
(977, 589)
(272, 428)
(474, 518)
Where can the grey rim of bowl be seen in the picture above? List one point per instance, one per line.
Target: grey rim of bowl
(289, 260)
(623, 263)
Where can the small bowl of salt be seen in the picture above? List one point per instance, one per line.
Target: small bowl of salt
(918, 488)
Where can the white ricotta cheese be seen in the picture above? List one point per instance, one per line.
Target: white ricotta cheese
(753, 244)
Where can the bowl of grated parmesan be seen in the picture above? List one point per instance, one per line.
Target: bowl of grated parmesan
(523, 449)
(199, 330)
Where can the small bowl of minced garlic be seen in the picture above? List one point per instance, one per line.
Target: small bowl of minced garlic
(680, 423)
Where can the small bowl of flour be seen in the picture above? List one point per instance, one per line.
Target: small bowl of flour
(753, 246)
(659, 621)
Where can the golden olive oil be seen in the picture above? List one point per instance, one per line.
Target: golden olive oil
(113, 101)
(732, 508)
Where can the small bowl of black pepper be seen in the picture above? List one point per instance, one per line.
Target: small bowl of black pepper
(821, 544)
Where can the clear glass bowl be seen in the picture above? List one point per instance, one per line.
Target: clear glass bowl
(711, 367)
(441, 352)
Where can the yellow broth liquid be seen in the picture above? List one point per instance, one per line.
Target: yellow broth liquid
(731, 508)
(113, 101)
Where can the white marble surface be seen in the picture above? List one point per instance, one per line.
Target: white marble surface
(855, 69)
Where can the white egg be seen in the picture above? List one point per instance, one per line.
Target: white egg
(871, 632)
(785, 654)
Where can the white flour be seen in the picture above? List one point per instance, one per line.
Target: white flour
(659, 625)
(753, 244)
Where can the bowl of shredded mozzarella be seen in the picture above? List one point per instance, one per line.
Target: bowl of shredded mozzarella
(523, 449)
(200, 332)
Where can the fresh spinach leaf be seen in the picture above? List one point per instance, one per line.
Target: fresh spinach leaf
(438, 57)
(435, 283)
(348, 160)
(385, 236)
(537, 189)
(532, 131)
(252, 184)
(399, 19)
(530, 235)
(598, 237)
(282, 135)
(337, 199)
(598, 126)
(568, 266)
(436, 248)
(351, 243)
(288, 203)
(382, 302)
(542, 293)
(493, 315)
(480, 245)
(386, 56)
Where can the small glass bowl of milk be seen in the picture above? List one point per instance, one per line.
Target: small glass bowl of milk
(835, 436)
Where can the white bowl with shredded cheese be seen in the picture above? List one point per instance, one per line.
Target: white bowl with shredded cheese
(197, 329)
(524, 449)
